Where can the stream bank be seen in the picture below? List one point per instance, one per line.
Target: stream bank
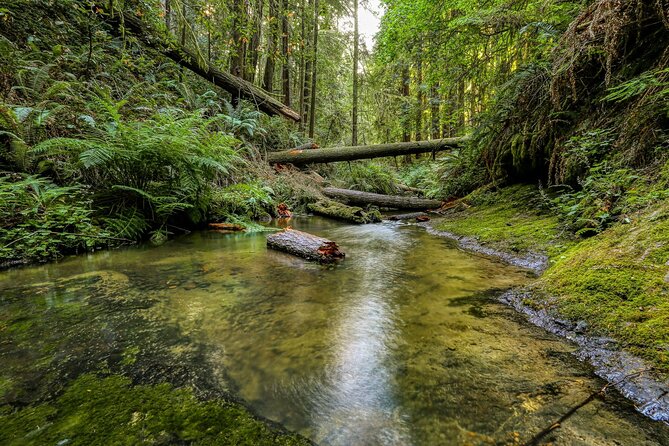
(606, 293)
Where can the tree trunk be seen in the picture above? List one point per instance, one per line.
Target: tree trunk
(338, 211)
(272, 38)
(422, 216)
(238, 56)
(385, 201)
(305, 245)
(332, 154)
(356, 54)
(256, 38)
(312, 107)
(187, 59)
(434, 111)
(406, 132)
(303, 64)
(419, 94)
(285, 53)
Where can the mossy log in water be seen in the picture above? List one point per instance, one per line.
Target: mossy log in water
(386, 201)
(305, 245)
(339, 211)
(420, 216)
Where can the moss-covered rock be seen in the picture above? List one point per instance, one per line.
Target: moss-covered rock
(110, 410)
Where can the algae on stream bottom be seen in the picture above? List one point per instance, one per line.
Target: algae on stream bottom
(401, 344)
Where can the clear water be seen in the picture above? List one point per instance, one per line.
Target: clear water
(402, 343)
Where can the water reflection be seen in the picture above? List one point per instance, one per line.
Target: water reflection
(401, 344)
(360, 402)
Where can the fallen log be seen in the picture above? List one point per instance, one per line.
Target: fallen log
(339, 211)
(411, 216)
(229, 227)
(332, 154)
(305, 245)
(236, 86)
(384, 201)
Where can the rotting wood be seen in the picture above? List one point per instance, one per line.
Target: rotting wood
(236, 86)
(230, 227)
(385, 201)
(305, 245)
(339, 211)
(350, 153)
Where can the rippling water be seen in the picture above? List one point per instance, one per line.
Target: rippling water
(400, 344)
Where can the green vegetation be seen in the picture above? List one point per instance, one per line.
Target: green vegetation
(513, 219)
(106, 140)
(353, 214)
(110, 410)
(618, 282)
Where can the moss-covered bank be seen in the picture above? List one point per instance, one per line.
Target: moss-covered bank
(614, 283)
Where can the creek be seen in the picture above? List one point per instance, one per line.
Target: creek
(402, 343)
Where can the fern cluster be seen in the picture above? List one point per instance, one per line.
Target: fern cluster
(150, 173)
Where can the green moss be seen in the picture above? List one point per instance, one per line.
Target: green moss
(333, 209)
(110, 411)
(617, 282)
(511, 219)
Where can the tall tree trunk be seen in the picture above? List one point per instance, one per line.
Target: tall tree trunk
(256, 38)
(272, 38)
(404, 88)
(356, 55)
(285, 52)
(303, 68)
(314, 71)
(238, 56)
(461, 105)
(434, 107)
(419, 95)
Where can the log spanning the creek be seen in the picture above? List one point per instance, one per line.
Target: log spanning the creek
(305, 245)
(328, 155)
(238, 87)
(384, 201)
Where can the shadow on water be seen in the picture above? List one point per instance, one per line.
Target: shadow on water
(400, 344)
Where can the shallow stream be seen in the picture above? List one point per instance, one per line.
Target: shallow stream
(403, 343)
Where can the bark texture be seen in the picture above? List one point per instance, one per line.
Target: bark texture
(385, 201)
(332, 154)
(305, 245)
